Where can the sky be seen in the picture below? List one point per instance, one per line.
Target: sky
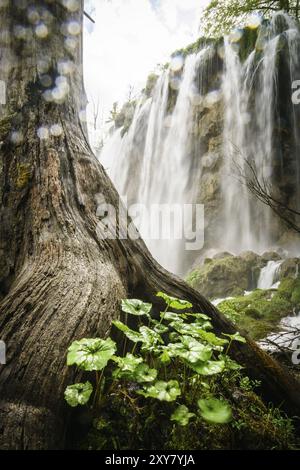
(128, 40)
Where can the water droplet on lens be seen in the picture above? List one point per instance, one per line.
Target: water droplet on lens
(43, 133)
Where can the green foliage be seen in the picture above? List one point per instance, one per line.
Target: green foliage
(131, 366)
(78, 394)
(236, 337)
(172, 376)
(151, 82)
(259, 312)
(172, 302)
(215, 411)
(248, 385)
(182, 415)
(220, 16)
(190, 350)
(123, 117)
(195, 46)
(91, 354)
(163, 391)
(208, 367)
(136, 307)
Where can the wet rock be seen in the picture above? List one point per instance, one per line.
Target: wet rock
(271, 256)
(289, 268)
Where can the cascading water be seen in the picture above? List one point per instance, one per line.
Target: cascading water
(269, 275)
(121, 154)
(248, 135)
(167, 150)
(236, 119)
(158, 161)
(160, 172)
(250, 94)
(293, 40)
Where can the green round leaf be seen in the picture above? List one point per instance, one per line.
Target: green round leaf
(182, 415)
(212, 339)
(91, 353)
(134, 336)
(136, 307)
(128, 363)
(190, 350)
(143, 373)
(150, 338)
(236, 337)
(78, 394)
(192, 329)
(208, 367)
(165, 357)
(199, 316)
(159, 327)
(171, 316)
(230, 364)
(215, 411)
(173, 302)
(163, 391)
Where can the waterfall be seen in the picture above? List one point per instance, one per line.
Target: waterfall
(121, 155)
(269, 275)
(158, 173)
(158, 162)
(238, 231)
(166, 166)
(293, 40)
(248, 135)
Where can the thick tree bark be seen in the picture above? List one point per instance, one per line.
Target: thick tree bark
(59, 280)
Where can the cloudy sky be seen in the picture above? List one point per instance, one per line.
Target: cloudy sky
(128, 40)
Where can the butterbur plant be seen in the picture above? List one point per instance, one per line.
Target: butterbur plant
(171, 361)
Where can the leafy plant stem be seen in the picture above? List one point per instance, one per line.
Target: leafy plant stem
(163, 314)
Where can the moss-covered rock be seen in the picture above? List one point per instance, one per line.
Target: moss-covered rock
(197, 45)
(151, 82)
(260, 312)
(226, 275)
(247, 42)
(125, 116)
(290, 268)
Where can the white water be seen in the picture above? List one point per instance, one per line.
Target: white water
(269, 275)
(121, 155)
(237, 232)
(248, 135)
(167, 150)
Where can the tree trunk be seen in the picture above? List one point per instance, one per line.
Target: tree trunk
(60, 279)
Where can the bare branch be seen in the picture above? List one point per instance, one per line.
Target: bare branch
(261, 189)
